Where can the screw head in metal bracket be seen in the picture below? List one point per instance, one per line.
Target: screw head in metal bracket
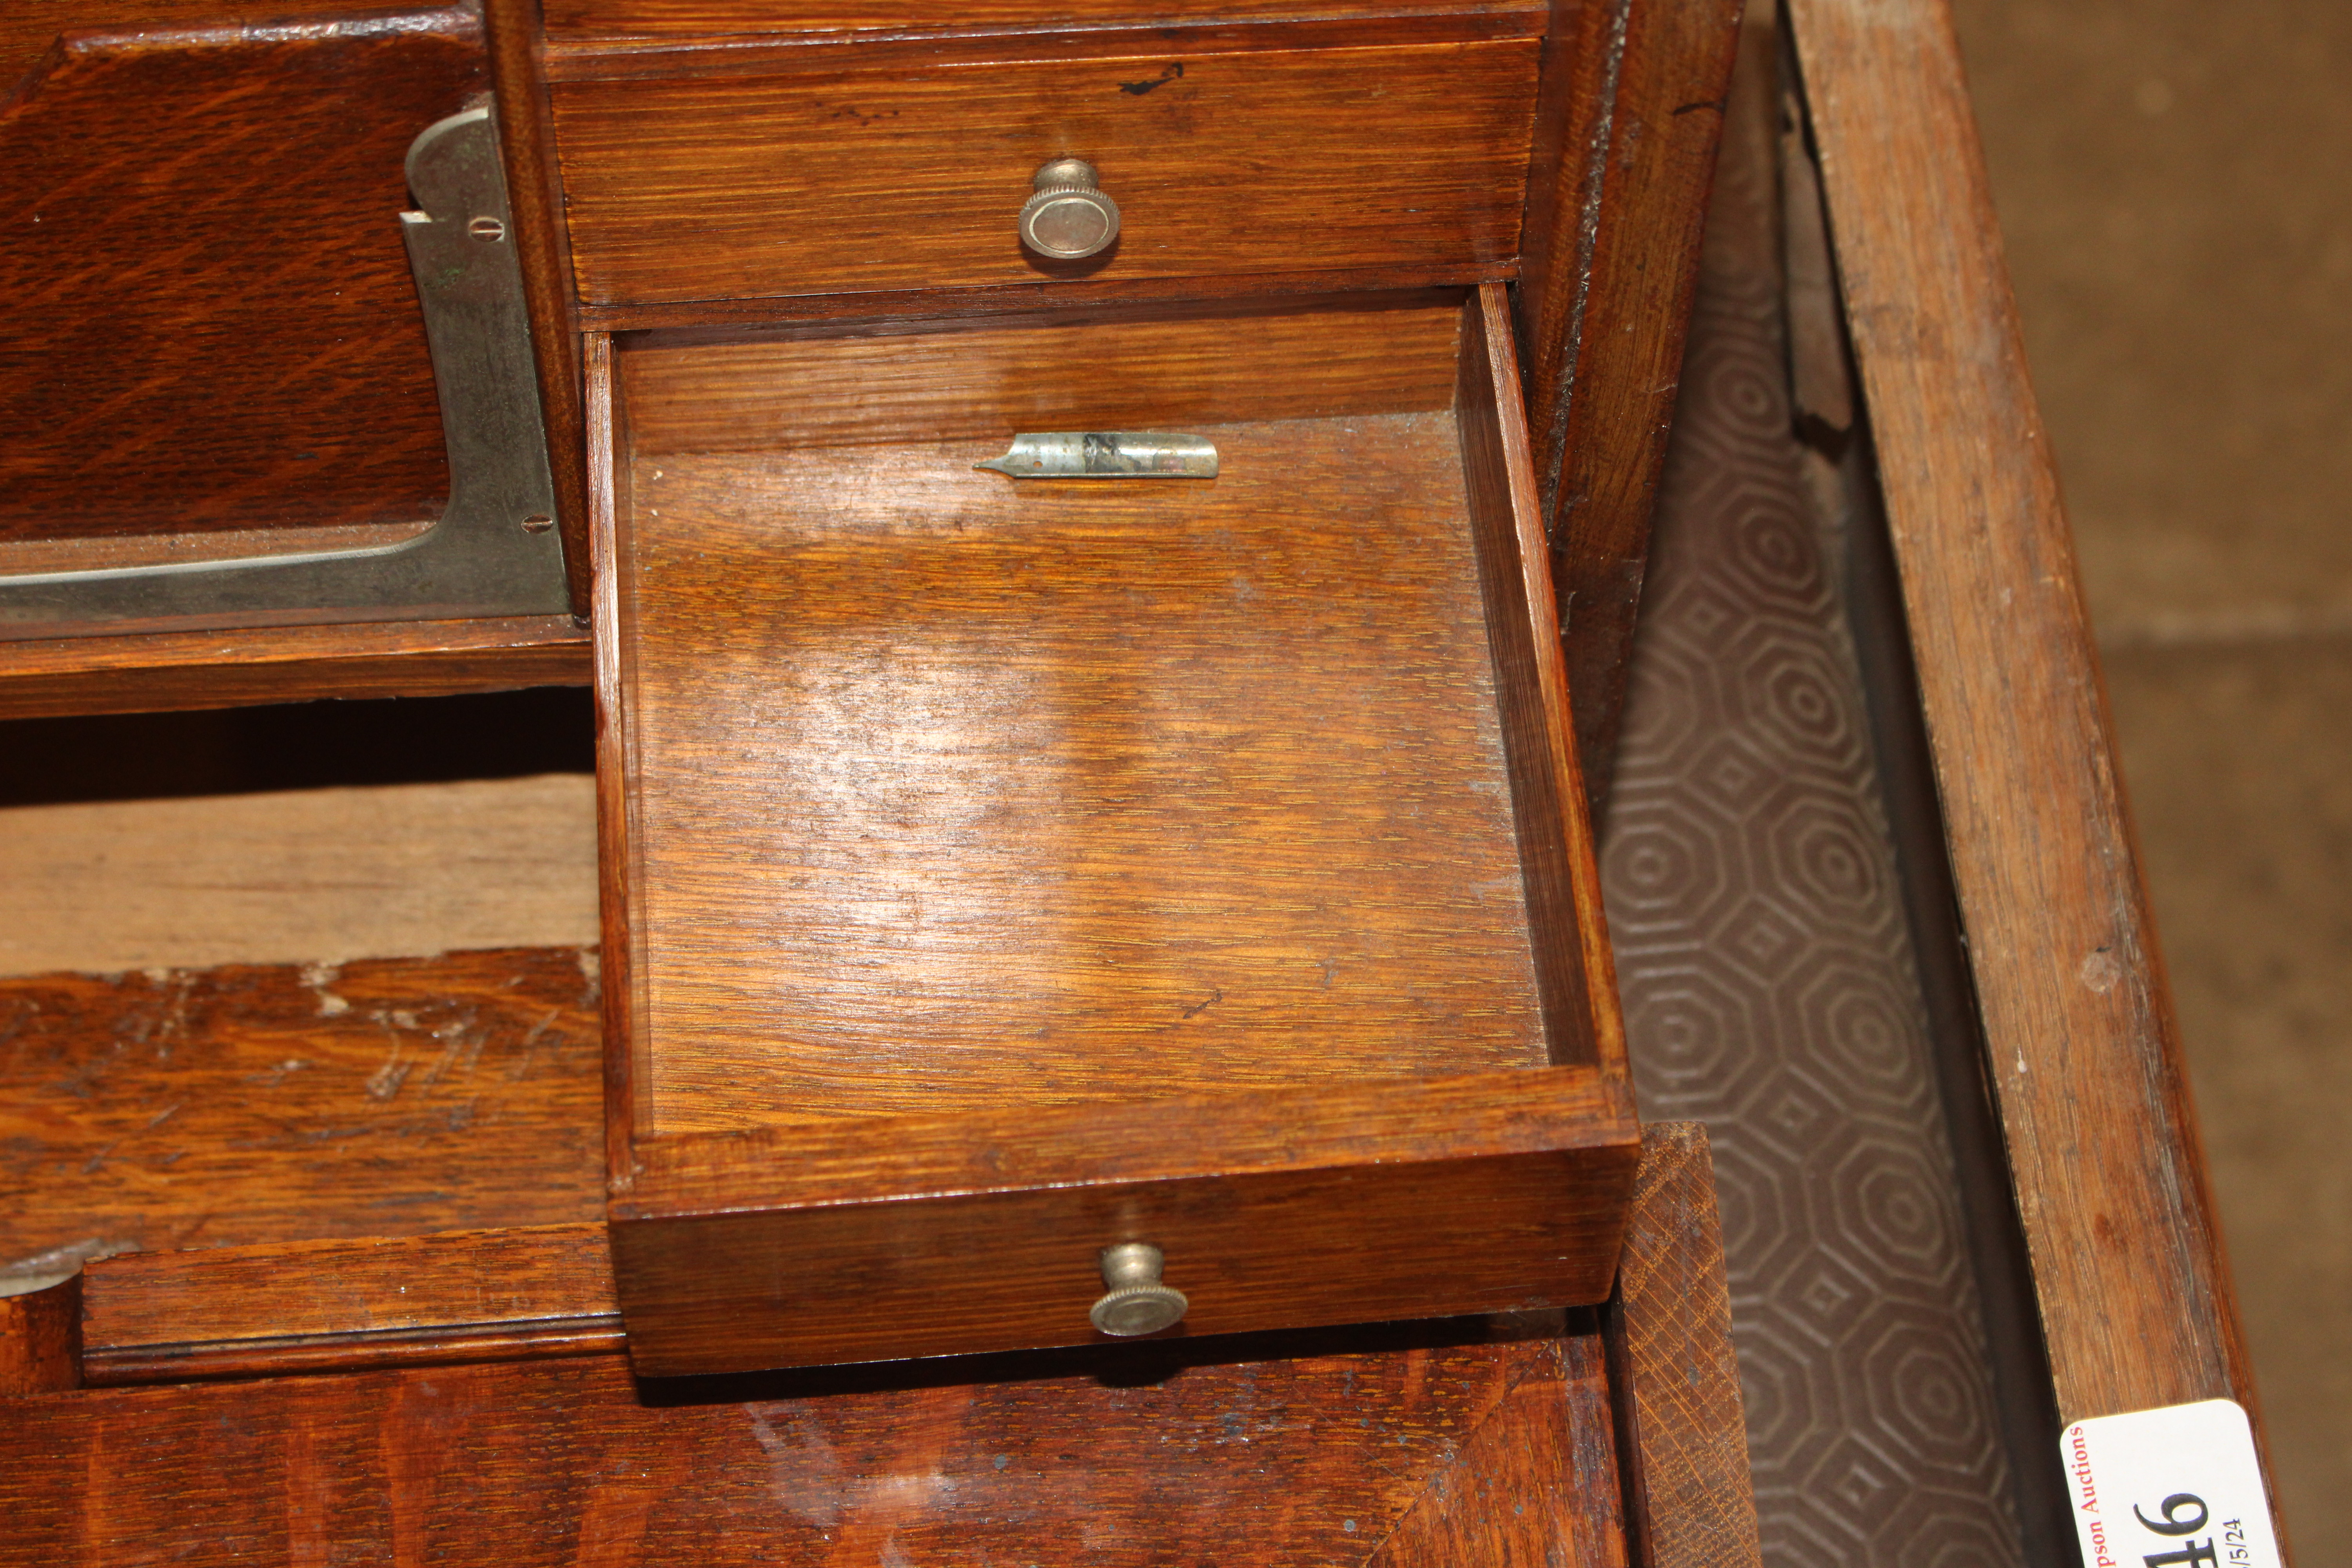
(1069, 218)
(1137, 1303)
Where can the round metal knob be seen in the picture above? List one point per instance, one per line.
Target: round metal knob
(1137, 1303)
(1069, 218)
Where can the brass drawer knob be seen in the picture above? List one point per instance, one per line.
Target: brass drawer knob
(1137, 1303)
(1069, 218)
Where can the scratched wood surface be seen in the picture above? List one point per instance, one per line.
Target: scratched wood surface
(215, 326)
(516, 1293)
(284, 1103)
(1615, 217)
(1207, 771)
(293, 875)
(1379, 1448)
(2081, 1045)
(1286, 161)
(1690, 1498)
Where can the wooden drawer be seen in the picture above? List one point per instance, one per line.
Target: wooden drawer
(1411, 157)
(1005, 870)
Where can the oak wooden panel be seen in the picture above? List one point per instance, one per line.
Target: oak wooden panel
(1575, 969)
(1633, 99)
(620, 872)
(535, 196)
(452, 1296)
(568, 20)
(1170, 40)
(1529, 1484)
(2081, 1045)
(1235, 293)
(924, 379)
(1043, 807)
(1691, 1503)
(838, 1241)
(1209, 776)
(818, 182)
(41, 1338)
(1373, 1447)
(273, 1104)
(165, 671)
(214, 324)
(29, 33)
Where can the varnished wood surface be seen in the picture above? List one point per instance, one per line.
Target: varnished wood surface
(1054, 779)
(215, 326)
(830, 1241)
(1170, 40)
(241, 1104)
(41, 1338)
(163, 671)
(1691, 1502)
(2082, 1045)
(571, 20)
(1576, 973)
(1604, 314)
(535, 196)
(924, 379)
(1384, 1446)
(620, 875)
(1273, 161)
(1235, 293)
(512, 1294)
(1036, 785)
(29, 33)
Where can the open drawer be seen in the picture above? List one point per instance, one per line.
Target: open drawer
(1002, 871)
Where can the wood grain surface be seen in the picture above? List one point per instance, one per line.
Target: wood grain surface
(838, 1241)
(923, 378)
(41, 1338)
(543, 245)
(1235, 293)
(620, 872)
(2082, 1045)
(1383, 1447)
(1575, 971)
(165, 671)
(570, 20)
(1691, 1502)
(1036, 784)
(297, 876)
(216, 327)
(243, 1105)
(513, 1294)
(1209, 773)
(565, 58)
(1276, 161)
(1604, 302)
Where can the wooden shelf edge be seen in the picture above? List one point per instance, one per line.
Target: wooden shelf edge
(170, 672)
(2082, 1050)
(851, 1161)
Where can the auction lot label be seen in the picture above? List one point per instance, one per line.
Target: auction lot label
(2176, 1488)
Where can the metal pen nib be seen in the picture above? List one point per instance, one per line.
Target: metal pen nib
(1107, 455)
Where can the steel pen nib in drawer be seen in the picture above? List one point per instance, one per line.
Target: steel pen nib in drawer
(1108, 454)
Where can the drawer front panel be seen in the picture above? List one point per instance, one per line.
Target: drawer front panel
(1410, 158)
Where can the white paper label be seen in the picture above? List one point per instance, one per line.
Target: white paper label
(2176, 1488)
